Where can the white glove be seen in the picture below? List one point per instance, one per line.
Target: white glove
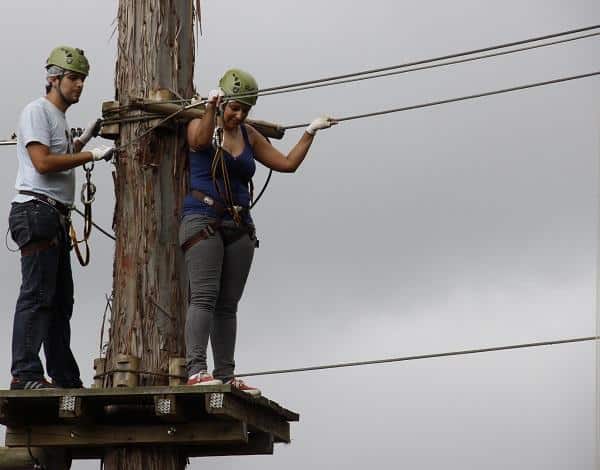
(196, 101)
(214, 96)
(90, 131)
(103, 152)
(322, 122)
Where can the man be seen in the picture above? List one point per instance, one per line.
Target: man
(38, 221)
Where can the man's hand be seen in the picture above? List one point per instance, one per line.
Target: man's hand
(103, 152)
(90, 131)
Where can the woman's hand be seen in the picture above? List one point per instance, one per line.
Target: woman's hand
(215, 96)
(322, 122)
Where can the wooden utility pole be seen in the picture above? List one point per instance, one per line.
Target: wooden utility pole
(155, 51)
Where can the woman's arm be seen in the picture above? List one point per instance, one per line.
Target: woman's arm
(200, 130)
(272, 158)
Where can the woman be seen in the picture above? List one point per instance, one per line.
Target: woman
(217, 231)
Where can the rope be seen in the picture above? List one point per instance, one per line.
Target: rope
(453, 100)
(422, 356)
(112, 237)
(262, 191)
(88, 194)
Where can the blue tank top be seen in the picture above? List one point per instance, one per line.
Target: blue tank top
(241, 170)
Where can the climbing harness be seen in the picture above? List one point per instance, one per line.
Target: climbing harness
(88, 194)
(219, 169)
(215, 226)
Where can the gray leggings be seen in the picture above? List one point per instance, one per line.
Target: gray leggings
(217, 268)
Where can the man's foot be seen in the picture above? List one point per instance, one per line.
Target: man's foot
(244, 387)
(36, 384)
(203, 378)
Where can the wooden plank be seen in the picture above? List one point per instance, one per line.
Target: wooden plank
(258, 444)
(265, 402)
(114, 392)
(267, 421)
(106, 393)
(268, 129)
(205, 433)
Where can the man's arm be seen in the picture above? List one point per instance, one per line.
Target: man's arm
(46, 162)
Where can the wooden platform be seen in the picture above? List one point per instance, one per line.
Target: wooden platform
(202, 421)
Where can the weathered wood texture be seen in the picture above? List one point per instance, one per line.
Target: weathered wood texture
(107, 405)
(197, 421)
(62, 436)
(155, 50)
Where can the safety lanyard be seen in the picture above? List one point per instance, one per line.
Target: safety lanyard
(88, 194)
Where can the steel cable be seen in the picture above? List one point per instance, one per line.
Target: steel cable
(422, 356)
(95, 225)
(424, 67)
(435, 59)
(453, 100)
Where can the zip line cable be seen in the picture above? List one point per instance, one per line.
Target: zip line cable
(410, 66)
(422, 356)
(453, 100)
(372, 362)
(425, 67)
(436, 59)
(359, 76)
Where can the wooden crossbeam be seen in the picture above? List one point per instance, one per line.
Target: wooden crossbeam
(200, 433)
(226, 404)
(258, 444)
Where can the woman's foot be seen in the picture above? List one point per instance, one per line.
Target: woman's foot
(203, 378)
(243, 387)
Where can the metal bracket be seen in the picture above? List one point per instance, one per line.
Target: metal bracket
(216, 400)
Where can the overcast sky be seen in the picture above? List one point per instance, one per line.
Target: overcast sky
(461, 226)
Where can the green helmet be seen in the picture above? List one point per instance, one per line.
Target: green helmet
(69, 58)
(238, 82)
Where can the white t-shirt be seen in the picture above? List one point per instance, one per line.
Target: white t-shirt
(44, 123)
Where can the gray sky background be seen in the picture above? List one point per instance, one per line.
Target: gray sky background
(461, 226)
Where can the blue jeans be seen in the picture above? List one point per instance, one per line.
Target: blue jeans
(45, 304)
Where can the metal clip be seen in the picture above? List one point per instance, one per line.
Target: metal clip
(88, 193)
(217, 140)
